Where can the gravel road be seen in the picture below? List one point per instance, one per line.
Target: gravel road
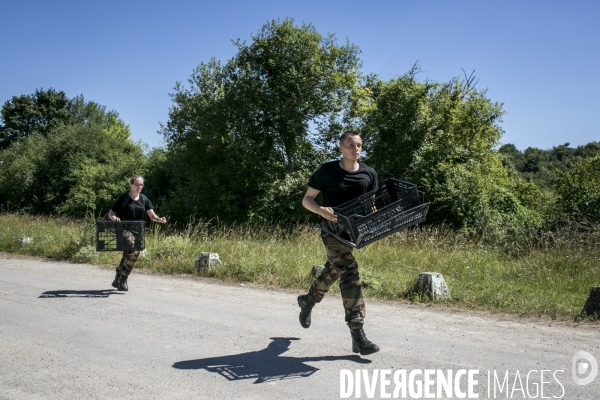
(66, 334)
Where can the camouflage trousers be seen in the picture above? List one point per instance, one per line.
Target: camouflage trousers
(341, 265)
(130, 256)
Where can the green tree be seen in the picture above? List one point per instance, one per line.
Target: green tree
(244, 128)
(44, 111)
(512, 158)
(397, 123)
(101, 171)
(20, 165)
(23, 116)
(71, 168)
(444, 137)
(579, 188)
(543, 167)
(588, 150)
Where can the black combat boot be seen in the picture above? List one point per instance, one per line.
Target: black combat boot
(115, 283)
(306, 303)
(360, 343)
(122, 283)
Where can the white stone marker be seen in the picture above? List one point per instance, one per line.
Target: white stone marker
(208, 260)
(433, 285)
(23, 240)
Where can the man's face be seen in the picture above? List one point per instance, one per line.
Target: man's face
(351, 147)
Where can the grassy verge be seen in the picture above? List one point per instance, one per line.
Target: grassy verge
(552, 279)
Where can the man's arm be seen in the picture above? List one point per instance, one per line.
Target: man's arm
(311, 205)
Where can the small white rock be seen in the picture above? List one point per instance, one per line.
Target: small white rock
(433, 285)
(24, 240)
(208, 260)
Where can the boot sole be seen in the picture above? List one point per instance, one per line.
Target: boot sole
(367, 352)
(364, 352)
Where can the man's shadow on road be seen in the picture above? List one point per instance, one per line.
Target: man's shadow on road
(55, 294)
(263, 365)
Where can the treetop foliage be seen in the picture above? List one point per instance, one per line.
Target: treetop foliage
(541, 166)
(245, 126)
(45, 110)
(244, 136)
(63, 155)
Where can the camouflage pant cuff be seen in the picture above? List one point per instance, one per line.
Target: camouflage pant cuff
(315, 294)
(312, 300)
(355, 325)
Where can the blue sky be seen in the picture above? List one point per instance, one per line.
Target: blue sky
(540, 58)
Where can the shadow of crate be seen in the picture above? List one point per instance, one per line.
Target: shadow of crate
(112, 236)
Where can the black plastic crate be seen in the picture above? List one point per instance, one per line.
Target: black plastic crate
(113, 236)
(396, 205)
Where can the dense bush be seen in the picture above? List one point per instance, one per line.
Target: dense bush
(579, 188)
(70, 168)
(543, 166)
(443, 137)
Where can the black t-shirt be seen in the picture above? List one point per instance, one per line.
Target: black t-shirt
(339, 186)
(128, 209)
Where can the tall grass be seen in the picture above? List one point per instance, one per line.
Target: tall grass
(550, 275)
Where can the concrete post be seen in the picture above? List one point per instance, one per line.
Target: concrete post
(208, 260)
(433, 285)
(592, 304)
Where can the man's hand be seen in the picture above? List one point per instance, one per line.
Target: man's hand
(328, 214)
(309, 203)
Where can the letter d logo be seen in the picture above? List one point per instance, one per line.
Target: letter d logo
(584, 368)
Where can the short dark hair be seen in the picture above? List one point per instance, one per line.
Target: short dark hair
(348, 134)
(133, 178)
